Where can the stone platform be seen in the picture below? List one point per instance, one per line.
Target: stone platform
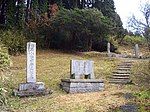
(81, 85)
(31, 89)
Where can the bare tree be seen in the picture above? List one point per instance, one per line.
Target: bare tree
(142, 25)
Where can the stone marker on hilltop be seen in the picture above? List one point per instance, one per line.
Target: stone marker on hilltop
(82, 78)
(136, 51)
(108, 49)
(31, 87)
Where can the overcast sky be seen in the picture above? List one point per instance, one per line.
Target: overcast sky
(125, 8)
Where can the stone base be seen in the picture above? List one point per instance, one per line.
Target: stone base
(81, 85)
(31, 89)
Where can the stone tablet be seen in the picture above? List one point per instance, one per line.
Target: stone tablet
(136, 51)
(108, 48)
(31, 62)
(82, 78)
(82, 68)
(31, 87)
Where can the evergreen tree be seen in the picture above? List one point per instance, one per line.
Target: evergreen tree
(10, 13)
(20, 5)
(28, 8)
(107, 7)
(2, 13)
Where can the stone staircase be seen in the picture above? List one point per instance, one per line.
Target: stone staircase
(122, 74)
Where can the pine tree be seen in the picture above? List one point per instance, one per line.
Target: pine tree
(10, 13)
(107, 7)
(2, 13)
(20, 19)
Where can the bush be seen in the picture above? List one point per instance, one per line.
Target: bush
(4, 60)
(14, 41)
(132, 40)
(101, 46)
(4, 64)
(113, 41)
(143, 94)
(76, 29)
(4, 57)
(3, 97)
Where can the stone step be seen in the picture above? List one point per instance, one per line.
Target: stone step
(124, 65)
(127, 63)
(121, 72)
(120, 81)
(121, 75)
(124, 69)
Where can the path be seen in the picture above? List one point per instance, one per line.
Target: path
(122, 74)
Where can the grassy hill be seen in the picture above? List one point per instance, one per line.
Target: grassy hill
(52, 66)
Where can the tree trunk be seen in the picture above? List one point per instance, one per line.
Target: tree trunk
(90, 44)
(28, 8)
(2, 12)
(120, 42)
(10, 13)
(73, 40)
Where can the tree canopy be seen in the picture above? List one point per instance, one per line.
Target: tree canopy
(79, 23)
(79, 27)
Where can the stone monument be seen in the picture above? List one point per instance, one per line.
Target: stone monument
(108, 49)
(82, 78)
(31, 87)
(136, 51)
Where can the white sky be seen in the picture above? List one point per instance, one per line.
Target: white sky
(126, 8)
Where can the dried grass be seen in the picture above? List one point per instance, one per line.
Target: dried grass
(53, 66)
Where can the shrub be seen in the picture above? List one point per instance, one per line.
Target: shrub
(14, 41)
(76, 29)
(3, 97)
(4, 60)
(143, 94)
(113, 41)
(4, 64)
(4, 57)
(132, 40)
